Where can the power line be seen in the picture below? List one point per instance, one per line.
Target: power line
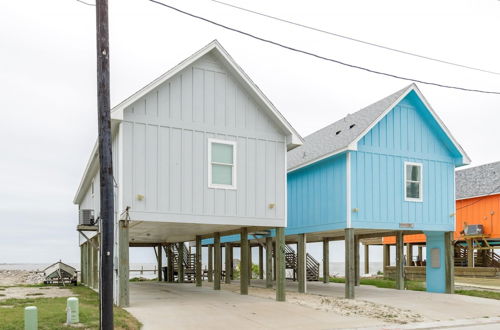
(320, 56)
(354, 39)
(86, 3)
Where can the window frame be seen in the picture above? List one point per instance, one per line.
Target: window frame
(421, 186)
(210, 163)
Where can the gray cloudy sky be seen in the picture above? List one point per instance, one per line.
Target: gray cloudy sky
(48, 90)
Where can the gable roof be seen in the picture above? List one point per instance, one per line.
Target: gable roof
(345, 133)
(293, 138)
(478, 181)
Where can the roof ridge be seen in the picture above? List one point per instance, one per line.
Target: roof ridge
(478, 166)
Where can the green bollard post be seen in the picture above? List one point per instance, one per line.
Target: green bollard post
(30, 318)
(73, 314)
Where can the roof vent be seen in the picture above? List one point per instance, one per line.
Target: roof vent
(338, 132)
(352, 125)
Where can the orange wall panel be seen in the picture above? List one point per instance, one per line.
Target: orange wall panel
(473, 211)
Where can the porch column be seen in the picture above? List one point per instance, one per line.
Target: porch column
(198, 261)
(280, 264)
(449, 262)
(350, 269)
(244, 261)
(301, 263)
(123, 264)
(269, 262)
(249, 263)
(470, 253)
(409, 254)
(386, 255)
(400, 280)
(217, 261)
(357, 261)
(210, 271)
(170, 263)
(160, 261)
(261, 262)
(326, 260)
(227, 264)
(367, 259)
(180, 262)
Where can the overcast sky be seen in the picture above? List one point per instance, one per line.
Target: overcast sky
(48, 89)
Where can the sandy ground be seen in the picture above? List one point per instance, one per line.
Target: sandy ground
(33, 292)
(345, 307)
(16, 277)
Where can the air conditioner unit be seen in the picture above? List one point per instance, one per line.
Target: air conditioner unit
(86, 217)
(473, 230)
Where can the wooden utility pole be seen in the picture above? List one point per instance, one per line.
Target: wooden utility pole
(105, 167)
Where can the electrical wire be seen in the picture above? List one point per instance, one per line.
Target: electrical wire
(320, 56)
(494, 191)
(355, 40)
(86, 3)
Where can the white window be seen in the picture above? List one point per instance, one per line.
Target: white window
(413, 182)
(221, 164)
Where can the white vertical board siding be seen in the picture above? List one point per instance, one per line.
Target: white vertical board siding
(165, 152)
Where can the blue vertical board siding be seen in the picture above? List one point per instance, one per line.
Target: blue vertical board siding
(317, 196)
(408, 133)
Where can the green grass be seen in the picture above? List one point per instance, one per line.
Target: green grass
(52, 312)
(384, 283)
(479, 293)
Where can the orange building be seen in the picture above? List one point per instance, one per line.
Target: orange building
(477, 218)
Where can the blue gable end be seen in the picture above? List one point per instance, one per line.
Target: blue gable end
(317, 196)
(407, 133)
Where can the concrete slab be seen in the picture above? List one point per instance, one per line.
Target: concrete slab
(432, 306)
(185, 306)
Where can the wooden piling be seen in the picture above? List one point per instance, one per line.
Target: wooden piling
(217, 261)
(84, 265)
(198, 261)
(261, 262)
(449, 260)
(349, 263)
(274, 261)
(210, 271)
(420, 253)
(280, 264)
(123, 264)
(400, 282)
(326, 260)
(160, 260)
(357, 277)
(409, 254)
(231, 258)
(250, 263)
(244, 261)
(180, 262)
(227, 264)
(269, 262)
(470, 253)
(301, 263)
(386, 256)
(367, 259)
(170, 263)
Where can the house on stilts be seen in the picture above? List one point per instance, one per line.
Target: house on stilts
(477, 228)
(198, 153)
(386, 170)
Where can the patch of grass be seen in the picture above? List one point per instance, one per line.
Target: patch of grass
(2, 295)
(52, 312)
(35, 294)
(384, 283)
(479, 293)
(142, 279)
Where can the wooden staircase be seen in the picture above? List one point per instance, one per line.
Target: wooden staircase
(482, 258)
(189, 262)
(312, 265)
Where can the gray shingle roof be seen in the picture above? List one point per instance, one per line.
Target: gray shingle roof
(341, 133)
(478, 181)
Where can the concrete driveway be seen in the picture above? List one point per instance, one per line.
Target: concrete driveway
(185, 306)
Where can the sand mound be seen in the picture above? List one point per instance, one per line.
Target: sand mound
(16, 277)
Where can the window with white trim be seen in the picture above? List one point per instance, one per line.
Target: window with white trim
(413, 182)
(221, 164)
